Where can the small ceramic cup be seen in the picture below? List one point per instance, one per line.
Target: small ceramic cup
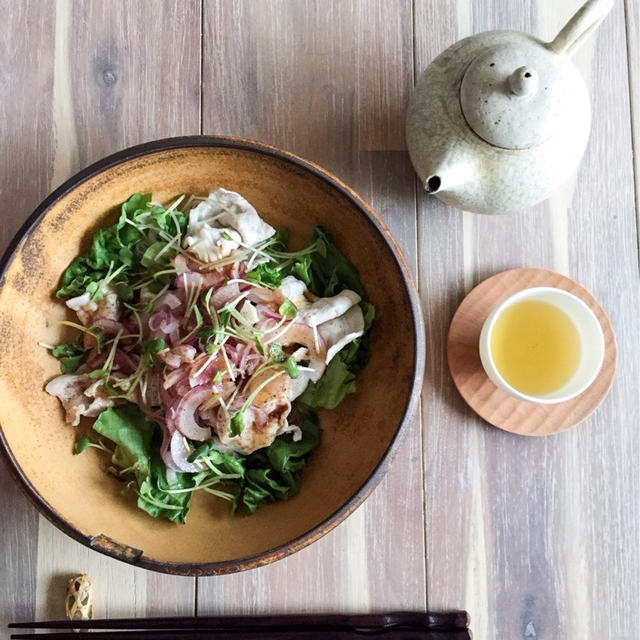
(591, 338)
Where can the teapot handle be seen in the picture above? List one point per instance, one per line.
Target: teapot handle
(580, 26)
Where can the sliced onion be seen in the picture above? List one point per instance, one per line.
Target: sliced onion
(125, 362)
(248, 352)
(173, 377)
(169, 324)
(163, 320)
(188, 279)
(180, 263)
(180, 452)
(225, 294)
(239, 355)
(165, 452)
(199, 376)
(267, 313)
(175, 337)
(108, 326)
(253, 362)
(232, 351)
(171, 359)
(185, 413)
(182, 387)
(213, 279)
(169, 299)
(95, 359)
(167, 398)
(178, 355)
(237, 269)
(155, 318)
(186, 352)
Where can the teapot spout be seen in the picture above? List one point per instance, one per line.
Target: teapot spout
(445, 176)
(433, 184)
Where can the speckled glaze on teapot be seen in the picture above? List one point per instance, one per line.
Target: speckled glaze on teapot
(499, 120)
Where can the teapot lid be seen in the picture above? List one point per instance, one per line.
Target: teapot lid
(517, 96)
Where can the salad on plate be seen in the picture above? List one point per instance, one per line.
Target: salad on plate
(203, 347)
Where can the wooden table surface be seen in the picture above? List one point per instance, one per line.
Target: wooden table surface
(538, 538)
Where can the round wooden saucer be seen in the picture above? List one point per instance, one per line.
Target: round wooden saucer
(493, 404)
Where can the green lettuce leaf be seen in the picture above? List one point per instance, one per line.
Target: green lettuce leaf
(336, 382)
(131, 246)
(70, 355)
(128, 428)
(272, 472)
(326, 272)
(265, 476)
(155, 494)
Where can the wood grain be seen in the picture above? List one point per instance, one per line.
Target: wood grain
(495, 405)
(329, 81)
(536, 538)
(97, 81)
(25, 156)
(632, 16)
(125, 89)
(530, 534)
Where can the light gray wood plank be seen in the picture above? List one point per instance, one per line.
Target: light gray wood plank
(329, 81)
(103, 76)
(536, 537)
(632, 15)
(25, 155)
(135, 69)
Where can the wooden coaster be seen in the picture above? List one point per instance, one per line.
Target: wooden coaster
(496, 406)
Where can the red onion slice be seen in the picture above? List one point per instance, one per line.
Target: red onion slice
(108, 326)
(125, 362)
(175, 376)
(169, 299)
(225, 294)
(180, 452)
(169, 324)
(267, 313)
(176, 356)
(95, 360)
(199, 375)
(180, 263)
(213, 279)
(188, 279)
(165, 453)
(156, 318)
(185, 414)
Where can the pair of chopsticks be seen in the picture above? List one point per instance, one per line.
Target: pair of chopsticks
(392, 626)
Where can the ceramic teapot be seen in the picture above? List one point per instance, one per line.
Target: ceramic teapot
(501, 119)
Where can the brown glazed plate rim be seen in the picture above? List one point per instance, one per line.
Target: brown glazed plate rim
(227, 566)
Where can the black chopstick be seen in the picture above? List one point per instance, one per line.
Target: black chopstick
(376, 621)
(261, 635)
(394, 626)
(203, 634)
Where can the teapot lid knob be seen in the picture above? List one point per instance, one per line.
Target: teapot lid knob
(523, 81)
(520, 94)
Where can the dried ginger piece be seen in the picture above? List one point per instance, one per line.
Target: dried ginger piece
(79, 599)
